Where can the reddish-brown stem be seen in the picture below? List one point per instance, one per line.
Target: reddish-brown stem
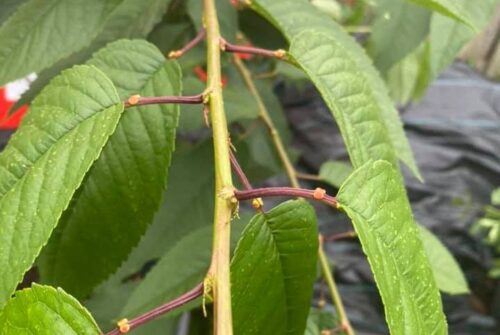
(196, 292)
(136, 100)
(340, 236)
(239, 171)
(285, 192)
(229, 47)
(191, 44)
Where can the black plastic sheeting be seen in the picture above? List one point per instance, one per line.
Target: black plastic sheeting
(455, 134)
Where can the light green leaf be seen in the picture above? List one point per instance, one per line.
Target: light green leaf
(447, 273)
(123, 190)
(451, 8)
(346, 79)
(447, 36)
(44, 310)
(335, 172)
(274, 268)
(399, 28)
(376, 202)
(46, 160)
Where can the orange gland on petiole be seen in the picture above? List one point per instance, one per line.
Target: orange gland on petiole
(319, 193)
(123, 326)
(134, 99)
(257, 203)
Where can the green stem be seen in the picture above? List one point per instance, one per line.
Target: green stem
(219, 272)
(337, 301)
(266, 118)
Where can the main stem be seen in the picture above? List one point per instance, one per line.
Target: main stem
(218, 274)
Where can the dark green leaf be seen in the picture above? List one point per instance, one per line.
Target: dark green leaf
(376, 202)
(8, 7)
(122, 191)
(43, 310)
(129, 19)
(447, 273)
(335, 172)
(399, 28)
(32, 38)
(346, 79)
(273, 271)
(46, 160)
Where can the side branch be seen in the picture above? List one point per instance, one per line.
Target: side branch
(137, 100)
(229, 47)
(317, 194)
(239, 171)
(191, 44)
(124, 325)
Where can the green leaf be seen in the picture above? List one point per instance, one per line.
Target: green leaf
(447, 36)
(399, 28)
(129, 19)
(46, 160)
(335, 172)
(376, 202)
(345, 78)
(122, 191)
(44, 310)
(32, 38)
(447, 273)
(274, 268)
(452, 8)
(8, 7)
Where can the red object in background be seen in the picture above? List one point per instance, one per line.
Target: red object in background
(9, 121)
(202, 75)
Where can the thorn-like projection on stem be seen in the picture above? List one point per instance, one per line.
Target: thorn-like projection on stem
(229, 47)
(190, 45)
